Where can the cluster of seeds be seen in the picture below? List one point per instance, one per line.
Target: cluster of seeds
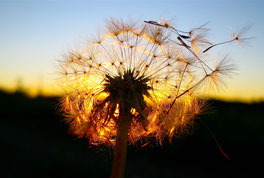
(141, 70)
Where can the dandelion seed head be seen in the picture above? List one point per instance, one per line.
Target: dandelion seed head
(135, 69)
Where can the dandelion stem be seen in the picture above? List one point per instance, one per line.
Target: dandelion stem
(120, 149)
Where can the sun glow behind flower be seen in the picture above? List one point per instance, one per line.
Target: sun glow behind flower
(140, 70)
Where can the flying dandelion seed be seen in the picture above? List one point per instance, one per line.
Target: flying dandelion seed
(135, 82)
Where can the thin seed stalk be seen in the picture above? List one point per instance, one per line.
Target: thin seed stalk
(120, 149)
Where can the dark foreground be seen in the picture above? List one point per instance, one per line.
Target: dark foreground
(35, 143)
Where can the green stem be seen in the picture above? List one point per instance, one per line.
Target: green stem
(120, 149)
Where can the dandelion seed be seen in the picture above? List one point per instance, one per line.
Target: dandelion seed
(236, 37)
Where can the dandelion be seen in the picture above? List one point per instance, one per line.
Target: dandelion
(134, 83)
(237, 37)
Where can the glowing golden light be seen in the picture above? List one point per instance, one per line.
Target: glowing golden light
(140, 67)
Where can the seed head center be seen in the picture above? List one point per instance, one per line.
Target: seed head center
(127, 89)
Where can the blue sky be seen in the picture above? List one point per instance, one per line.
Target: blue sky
(34, 35)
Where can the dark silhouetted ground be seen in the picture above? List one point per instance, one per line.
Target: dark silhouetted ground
(35, 143)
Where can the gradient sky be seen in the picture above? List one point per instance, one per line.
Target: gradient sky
(35, 33)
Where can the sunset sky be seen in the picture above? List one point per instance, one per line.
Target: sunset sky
(35, 33)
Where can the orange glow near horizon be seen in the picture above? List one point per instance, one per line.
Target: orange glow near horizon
(231, 93)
